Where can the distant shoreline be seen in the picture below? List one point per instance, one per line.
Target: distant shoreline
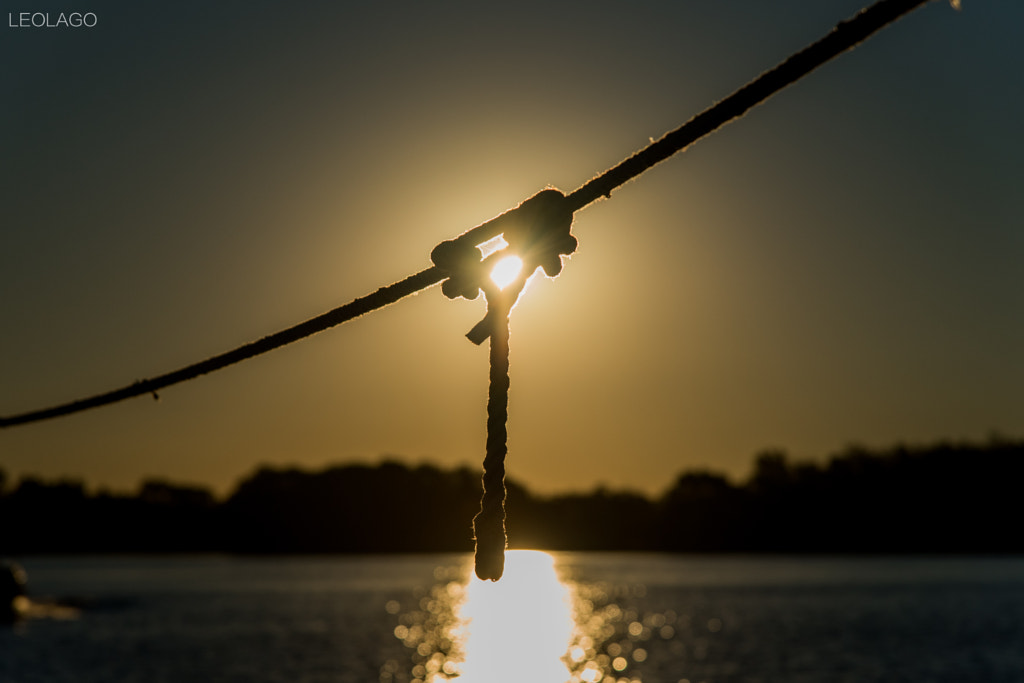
(945, 499)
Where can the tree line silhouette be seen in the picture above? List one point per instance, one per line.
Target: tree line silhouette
(942, 498)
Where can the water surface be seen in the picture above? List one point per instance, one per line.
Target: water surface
(629, 617)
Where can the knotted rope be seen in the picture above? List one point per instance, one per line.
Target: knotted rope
(538, 232)
(844, 36)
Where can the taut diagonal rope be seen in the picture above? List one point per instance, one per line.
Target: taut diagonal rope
(355, 308)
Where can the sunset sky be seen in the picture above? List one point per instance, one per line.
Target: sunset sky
(843, 265)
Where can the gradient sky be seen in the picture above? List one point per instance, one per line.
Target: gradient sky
(843, 265)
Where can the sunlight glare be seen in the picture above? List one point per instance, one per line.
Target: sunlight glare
(517, 629)
(506, 271)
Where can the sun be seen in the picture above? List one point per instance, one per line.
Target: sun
(506, 271)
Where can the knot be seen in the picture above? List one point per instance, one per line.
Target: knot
(542, 233)
(538, 231)
(462, 262)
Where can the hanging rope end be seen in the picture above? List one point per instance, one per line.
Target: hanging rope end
(481, 331)
(490, 549)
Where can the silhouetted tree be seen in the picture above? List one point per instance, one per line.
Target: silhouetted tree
(355, 508)
(942, 498)
(597, 521)
(702, 512)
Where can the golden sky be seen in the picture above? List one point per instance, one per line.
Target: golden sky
(842, 265)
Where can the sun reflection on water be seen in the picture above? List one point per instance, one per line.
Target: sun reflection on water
(518, 628)
(537, 625)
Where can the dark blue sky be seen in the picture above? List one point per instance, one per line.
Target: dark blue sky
(842, 265)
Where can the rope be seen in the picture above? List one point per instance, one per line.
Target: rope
(355, 308)
(844, 36)
(489, 523)
(539, 232)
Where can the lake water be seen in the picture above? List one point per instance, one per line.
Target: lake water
(586, 617)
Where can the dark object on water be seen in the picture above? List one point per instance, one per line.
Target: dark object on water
(13, 583)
